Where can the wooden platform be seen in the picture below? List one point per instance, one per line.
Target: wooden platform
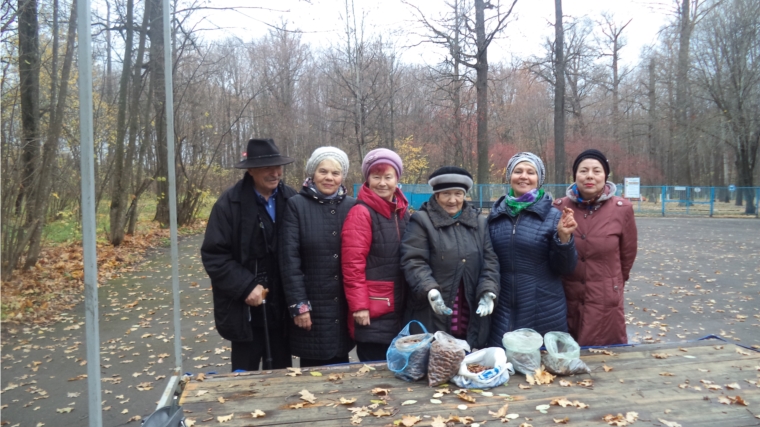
(674, 389)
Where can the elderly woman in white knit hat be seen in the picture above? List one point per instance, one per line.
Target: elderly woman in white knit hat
(535, 247)
(310, 247)
(449, 262)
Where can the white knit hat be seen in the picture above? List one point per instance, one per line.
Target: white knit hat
(323, 153)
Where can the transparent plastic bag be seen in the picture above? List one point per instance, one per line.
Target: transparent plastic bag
(408, 355)
(494, 369)
(563, 355)
(446, 354)
(523, 352)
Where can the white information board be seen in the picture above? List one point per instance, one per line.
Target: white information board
(632, 188)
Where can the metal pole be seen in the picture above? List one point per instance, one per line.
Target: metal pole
(664, 194)
(712, 200)
(87, 170)
(169, 87)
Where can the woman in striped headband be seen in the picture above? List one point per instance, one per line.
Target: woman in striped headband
(535, 247)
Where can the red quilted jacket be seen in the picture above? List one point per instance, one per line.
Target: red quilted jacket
(371, 263)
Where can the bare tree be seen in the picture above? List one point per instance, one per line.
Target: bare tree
(559, 94)
(468, 43)
(614, 41)
(727, 48)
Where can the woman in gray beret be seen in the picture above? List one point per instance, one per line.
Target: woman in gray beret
(310, 247)
(449, 263)
(535, 247)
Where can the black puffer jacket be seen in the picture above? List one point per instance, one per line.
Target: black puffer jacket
(239, 252)
(531, 260)
(310, 241)
(440, 252)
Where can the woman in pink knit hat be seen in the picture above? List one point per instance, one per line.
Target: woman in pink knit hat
(371, 241)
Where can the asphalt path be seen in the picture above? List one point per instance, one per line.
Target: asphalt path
(693, 277)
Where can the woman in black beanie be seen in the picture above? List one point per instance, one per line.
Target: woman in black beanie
(449, 262)
(606, 241)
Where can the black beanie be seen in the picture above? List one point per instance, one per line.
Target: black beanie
(592, 154)
(450, 178)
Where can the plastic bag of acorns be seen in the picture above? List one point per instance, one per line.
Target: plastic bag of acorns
(446, 355)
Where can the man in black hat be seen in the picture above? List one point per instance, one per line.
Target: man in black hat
(239, 253)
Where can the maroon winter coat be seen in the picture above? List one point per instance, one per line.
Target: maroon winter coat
(606, 241)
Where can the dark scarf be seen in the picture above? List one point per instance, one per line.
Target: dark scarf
(440, 218)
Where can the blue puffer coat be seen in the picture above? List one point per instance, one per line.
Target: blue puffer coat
(531, 260)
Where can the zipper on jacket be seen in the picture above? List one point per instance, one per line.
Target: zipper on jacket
(514, 279)
(388, 300)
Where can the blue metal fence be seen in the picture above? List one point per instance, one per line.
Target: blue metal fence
(664, 200)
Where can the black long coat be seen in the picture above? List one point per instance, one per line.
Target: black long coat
(238, 255)
(310, 247)
(440, 252)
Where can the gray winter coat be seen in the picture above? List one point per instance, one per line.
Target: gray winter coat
(440, 252)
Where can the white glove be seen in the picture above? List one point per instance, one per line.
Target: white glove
(485, 307)
(436, 301)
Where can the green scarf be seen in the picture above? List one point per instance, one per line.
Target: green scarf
(515, 205)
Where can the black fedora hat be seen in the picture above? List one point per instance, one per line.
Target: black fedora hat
(262, 153)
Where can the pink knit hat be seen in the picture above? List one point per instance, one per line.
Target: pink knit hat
(382, 156)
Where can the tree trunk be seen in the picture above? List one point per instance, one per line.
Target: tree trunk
(50, 149)
(134, 120)
(651, 126)
(559, 95)
(481, 87)
(29, 89)
(682, 75)
(156, 34)
(120, 183)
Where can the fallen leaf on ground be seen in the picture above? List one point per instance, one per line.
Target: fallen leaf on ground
(502, 412)
(315, 374)
(586, 383)
(344, 401)
(669, 423)
(381, 413)
(561, 402)
(607, 368)
(666, 374)
(523, 386)
(562, 421)
(660, 355)
(378, 391)
(742, 352)
(466, 397)
(305, 395)
(200, 377)
(257, 413)
(565, 383)
(293, 372)
(600, 351)
(220, 399)
(335, 377)
(438, 421)
(64, 410)
(296, 406)
(225, 418)
(410, 420)
(408, 402)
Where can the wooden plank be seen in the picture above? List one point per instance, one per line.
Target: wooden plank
(642, 390)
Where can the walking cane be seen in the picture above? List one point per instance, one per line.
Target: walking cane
(268, 359)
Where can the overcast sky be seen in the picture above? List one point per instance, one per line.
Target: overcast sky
(322, 22)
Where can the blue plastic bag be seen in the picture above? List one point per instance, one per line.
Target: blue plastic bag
(408, 355)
